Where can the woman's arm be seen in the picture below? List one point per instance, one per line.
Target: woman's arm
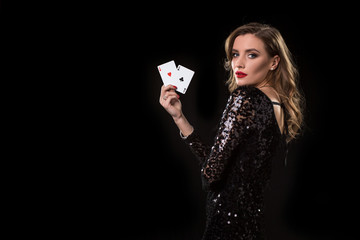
(235, 126)
(171, 103)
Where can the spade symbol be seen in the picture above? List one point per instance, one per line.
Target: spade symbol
(181, 79)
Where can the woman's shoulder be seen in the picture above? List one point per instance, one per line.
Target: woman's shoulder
(253, 97)
(251, 93)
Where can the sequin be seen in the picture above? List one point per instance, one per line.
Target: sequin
(237, 166)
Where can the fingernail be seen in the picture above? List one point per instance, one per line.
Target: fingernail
(175, 87)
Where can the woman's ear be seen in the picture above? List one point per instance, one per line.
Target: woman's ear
(275, 62)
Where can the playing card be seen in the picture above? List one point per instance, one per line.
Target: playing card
(183, 78)
(168, 73)
(179, 77)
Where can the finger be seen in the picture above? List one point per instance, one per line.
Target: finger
(165, 90)
(168, 88)
(169, 94)
(171, 99)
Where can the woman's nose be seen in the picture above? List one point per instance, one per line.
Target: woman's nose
(240, 63)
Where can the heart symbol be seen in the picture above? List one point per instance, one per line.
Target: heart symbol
(169, 73)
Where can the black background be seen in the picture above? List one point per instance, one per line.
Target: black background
(124, 171)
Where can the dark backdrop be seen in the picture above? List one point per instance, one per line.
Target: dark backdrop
(131, 175)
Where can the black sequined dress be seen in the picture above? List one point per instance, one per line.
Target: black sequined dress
(237, 168)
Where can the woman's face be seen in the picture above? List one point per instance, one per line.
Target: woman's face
(250, 61)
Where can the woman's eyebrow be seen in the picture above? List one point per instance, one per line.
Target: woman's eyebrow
(252, 49)
(247, 50)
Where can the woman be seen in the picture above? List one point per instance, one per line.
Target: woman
(262, 115)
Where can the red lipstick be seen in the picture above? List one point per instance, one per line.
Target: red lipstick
(240, 74)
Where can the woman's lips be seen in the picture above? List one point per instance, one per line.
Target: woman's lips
(240, 74)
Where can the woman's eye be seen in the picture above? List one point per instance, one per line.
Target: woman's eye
(235, 55)
(252, 55)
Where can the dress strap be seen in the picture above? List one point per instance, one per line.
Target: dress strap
(277, 103)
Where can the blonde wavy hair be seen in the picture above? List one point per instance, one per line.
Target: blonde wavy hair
(284, 79)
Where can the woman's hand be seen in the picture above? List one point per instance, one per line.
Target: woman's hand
(169, 99)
